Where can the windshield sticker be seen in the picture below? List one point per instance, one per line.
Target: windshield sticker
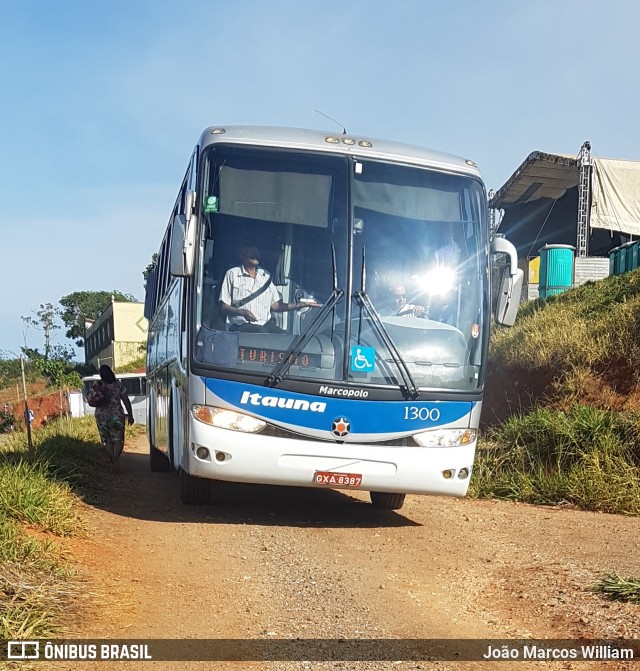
(363, 359)
(211, 204)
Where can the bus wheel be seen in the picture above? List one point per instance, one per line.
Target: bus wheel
(194, 491)
(158, 462)
(387, 500)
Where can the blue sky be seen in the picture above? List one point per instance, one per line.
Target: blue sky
(103, 101)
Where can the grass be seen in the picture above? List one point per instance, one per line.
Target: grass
(619, 589)
(32, 601)
(39, 494)
(587, 456)
(134, 366)
(562, 402)
(582, 346)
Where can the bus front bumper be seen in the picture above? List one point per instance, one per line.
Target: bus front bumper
(222, 454)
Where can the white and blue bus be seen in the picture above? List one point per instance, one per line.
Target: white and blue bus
(351, 393)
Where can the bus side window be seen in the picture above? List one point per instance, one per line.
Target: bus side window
(211, 315)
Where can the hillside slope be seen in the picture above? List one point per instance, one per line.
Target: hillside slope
(580, 347)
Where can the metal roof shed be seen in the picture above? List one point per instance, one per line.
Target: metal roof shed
(562, 199)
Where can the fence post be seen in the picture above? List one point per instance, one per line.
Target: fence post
(27, 416)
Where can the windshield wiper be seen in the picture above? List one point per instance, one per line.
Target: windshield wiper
(295, 349)
(409, 388)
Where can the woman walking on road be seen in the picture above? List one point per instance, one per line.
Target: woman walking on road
(110, 416)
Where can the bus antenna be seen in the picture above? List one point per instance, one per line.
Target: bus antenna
(344, 130)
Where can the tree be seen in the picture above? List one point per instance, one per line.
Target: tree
(45, 321)
(55, 362)
(150, 268)
(82, 305)
(57, 366)
(9, 370)
(59, 372)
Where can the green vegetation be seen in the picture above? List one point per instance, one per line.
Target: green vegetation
(136, 365)
(563, 402)
(619, 589)
(582, 346)
(586, 456)
(10, 373)
(39, 494)
(7, 420)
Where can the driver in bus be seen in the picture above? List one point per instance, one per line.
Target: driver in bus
(248, 297)
(398, 306)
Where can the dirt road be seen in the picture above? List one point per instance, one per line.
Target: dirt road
(270, 563)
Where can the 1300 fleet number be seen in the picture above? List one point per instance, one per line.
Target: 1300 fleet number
(412, 412)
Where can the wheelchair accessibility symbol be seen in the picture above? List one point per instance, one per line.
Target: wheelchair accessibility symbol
(363, 359)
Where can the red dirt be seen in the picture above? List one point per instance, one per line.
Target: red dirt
(45, 407)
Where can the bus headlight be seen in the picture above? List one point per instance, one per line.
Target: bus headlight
(445, 437)
(227, 419)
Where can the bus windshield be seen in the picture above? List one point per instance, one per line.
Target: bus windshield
(337, 270)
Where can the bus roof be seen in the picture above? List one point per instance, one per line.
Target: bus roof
(322, 141)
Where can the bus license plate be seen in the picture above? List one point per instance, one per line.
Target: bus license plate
(330, 479)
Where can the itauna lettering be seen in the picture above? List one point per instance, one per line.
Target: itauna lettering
(249, 398)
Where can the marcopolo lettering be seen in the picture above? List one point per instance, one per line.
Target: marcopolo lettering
(249, 398)
(348, 393)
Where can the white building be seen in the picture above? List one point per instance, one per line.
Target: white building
(117, 337)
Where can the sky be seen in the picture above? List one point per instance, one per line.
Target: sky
(102, 101)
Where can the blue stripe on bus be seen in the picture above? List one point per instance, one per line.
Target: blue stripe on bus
(319, 412)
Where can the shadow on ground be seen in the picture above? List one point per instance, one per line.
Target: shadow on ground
(138, 493)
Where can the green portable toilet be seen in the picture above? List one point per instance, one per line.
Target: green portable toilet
(556, 269)
(622, 259)
(618, 264)
(612, 261)
(633, 250)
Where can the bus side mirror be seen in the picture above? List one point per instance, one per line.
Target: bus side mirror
(510, 285)
(509, 292)
(182, 253)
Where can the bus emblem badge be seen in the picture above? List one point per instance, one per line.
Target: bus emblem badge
(341, 427)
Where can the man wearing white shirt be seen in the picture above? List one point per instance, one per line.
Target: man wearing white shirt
(248, 297)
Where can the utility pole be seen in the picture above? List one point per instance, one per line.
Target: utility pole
(584, 182)
(27, 413)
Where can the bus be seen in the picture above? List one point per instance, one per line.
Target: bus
(135, 385)
(343, 390)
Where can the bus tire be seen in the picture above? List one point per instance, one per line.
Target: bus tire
(170, 442)
(158, 462)
(194, 491)
(387, 500)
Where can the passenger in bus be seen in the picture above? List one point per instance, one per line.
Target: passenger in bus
(397, 305)
(110, 416)
(248, 297)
